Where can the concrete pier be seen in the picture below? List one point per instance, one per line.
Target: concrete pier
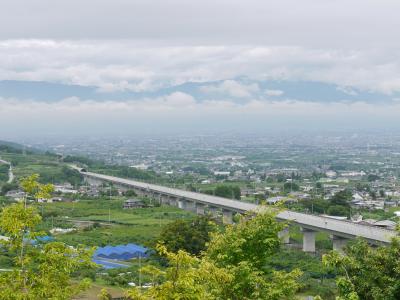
(308, 240)
(338, 243)
(190, 205)
(227, 216)
(200, 208)
(213, 211)
(284, 235)
(121, 188)
(182, 203)
(164, 200)
(173, 201)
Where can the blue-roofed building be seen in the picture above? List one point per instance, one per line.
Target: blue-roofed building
(102, 255)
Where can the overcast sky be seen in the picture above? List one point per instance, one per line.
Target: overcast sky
(128, 45)
(309, 23)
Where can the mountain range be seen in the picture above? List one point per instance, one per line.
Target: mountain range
(236, 90)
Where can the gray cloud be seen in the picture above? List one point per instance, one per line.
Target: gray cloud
(181, 112)
(128, 65)
(232, 88)
(309, 23)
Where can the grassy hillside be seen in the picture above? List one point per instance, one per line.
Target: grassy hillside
(48, 166)
(53, 169)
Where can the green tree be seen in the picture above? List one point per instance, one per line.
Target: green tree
(188, 235)
(41, 271)
(316, 205)
(291, 186)
(342, 198)
(104, 295)
(227, 191)
(338, 210)
(187, 277)
(4, 172)
(280, 177)
(238, 250)
(372, 177)
(8, 187)
(34, 189)
(232, 267)
(130, 193)
(367, 273)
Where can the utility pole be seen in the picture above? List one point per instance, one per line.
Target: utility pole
(140, 271)
(291, 183)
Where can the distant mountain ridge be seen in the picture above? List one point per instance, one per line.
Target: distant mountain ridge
(272, 90)
(11, 144)
(15, 147)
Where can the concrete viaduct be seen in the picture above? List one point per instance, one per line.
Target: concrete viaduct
(339, 230)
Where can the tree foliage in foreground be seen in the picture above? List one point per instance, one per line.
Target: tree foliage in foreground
(367, 273)
(232, 267)
(41, 271)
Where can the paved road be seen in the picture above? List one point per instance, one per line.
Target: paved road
(345, 229)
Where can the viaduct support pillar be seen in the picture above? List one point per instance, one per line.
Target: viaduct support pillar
(190, 206)
(121, 188)
(93, 181)
(213, 211)
(338, 243)
(172, 201)
(200, 208)
(181, 203)
(164, 200)
(227, 216)
(284, 235)
(308, 240)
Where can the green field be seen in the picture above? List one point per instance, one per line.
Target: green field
(112, 224)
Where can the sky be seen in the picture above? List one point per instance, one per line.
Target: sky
(187, 66)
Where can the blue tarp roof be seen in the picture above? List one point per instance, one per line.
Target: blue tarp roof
(121, 252)
(109, 264)
(42, 239)
(45, 238)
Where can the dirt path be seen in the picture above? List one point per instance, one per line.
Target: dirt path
(10, 175)
(10, 171)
